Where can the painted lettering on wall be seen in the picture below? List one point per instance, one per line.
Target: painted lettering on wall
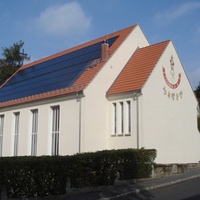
(171, 85)
(173, 95)
(173, 81)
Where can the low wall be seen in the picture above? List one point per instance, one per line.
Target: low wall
(161, 170)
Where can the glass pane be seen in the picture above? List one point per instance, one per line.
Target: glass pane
(53, 74)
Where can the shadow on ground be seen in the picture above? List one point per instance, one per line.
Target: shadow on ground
(104, 193)
(197, 197)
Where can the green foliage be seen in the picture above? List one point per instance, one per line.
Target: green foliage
(6, 72)
(41, 176)
(197, 91)
(13, 55)
(12, 59)
(29, 176)
(142, 161)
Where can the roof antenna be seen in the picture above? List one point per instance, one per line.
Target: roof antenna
(105, 41)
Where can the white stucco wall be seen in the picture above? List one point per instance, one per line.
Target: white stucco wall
(169, 125)
(96, 115)
(123, 140)
(69, 127)
(164, 124)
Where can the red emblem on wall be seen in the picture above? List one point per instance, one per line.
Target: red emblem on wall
(171, 83)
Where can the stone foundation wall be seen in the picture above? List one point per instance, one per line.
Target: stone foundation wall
(161, 170)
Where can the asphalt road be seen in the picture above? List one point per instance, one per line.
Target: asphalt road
(188, 190)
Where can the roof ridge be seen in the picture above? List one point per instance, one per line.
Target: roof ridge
(137, 70)
(74, 48)
(70, 81)
(110, 51)
(155, 44)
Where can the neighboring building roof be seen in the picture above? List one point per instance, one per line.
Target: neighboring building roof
(63, 73)
(138, 68)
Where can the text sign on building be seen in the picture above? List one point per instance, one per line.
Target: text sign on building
(173, 81)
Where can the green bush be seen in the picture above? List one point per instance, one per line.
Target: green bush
(48, 175)
(31, 176)
(135, 163)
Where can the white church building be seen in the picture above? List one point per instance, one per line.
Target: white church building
(114, 92)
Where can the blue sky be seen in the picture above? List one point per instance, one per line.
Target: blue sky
(50, 26)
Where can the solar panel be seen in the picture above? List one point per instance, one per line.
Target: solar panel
(53, 74)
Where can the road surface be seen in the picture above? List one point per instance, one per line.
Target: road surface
(188, 190)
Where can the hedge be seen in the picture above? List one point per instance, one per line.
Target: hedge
(51, 175)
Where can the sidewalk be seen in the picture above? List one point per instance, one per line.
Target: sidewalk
(123, 189)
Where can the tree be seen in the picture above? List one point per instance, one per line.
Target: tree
(13, 58)
(197, 93)
(198, 122)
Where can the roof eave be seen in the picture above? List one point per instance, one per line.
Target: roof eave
(123, 95)
(43, 97)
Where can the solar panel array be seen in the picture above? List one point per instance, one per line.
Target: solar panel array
(53, 74)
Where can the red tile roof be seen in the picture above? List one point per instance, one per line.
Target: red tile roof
(137, 70)
(88, 75)
(83, 80)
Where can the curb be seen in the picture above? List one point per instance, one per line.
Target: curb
(136, 191)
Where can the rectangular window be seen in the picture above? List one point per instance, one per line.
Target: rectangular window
(55, 130)
(1, 133)
(115, 117)
(122, 117)
(34, 132)
(129, 116)
(16, 134)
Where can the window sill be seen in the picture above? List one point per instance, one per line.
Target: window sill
(113, 135)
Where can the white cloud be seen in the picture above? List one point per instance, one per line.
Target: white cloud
(175, 12)
(63, 20)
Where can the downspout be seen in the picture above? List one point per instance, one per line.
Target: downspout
(79, 125)
(138, 128)
(136, 95)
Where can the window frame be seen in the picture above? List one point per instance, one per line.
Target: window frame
(16, 133)
(129, 117)
(55, 129)
(121, 117)
(34, 132)
(114, 117)
(1, 133)
(121, 103)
